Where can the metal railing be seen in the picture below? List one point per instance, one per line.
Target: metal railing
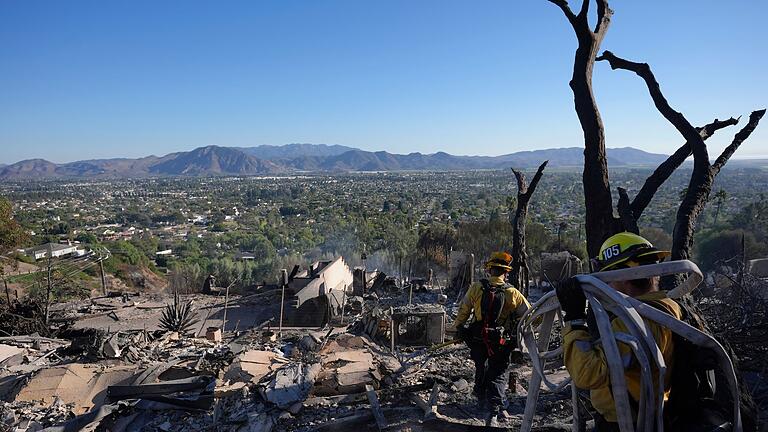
(634, 314)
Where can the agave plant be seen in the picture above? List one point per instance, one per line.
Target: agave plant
(178, 317)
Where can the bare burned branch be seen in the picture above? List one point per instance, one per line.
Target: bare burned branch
(708, 130)
(741, 135)
(537, 176)
(604, 14)
(663, 171)
(563, 5)
(643, 70)
(584, 9)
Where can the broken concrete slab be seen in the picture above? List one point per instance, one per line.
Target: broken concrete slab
(69, 383)
(9, 352)
(350, 356)
(291, 384)
(82, 385)
(253, 365)
(348, 366)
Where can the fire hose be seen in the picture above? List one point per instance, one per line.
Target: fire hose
(604, 300)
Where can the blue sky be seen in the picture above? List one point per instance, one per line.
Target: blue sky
(95, 79)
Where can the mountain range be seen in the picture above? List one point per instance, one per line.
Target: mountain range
(291, 158)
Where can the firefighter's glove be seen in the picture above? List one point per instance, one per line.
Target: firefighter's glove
(462, 333)
(573, 302)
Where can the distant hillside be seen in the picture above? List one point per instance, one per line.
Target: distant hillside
(359, 160)
(30, 168)
(215, 160)
(290, 151)
(574, 157)
(210, 160)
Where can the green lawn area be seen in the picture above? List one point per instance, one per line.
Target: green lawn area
(24, 279)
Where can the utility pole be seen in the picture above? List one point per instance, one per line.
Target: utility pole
(226, 304)
(50, 286)
(7, 293)
(283, 283)
(103, 278)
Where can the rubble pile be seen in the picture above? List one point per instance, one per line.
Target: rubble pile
(383, 363)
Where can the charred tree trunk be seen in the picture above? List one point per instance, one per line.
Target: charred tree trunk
(600, 222)
(520, 271)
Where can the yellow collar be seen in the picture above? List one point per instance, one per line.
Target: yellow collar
(497, 280)
(653, 295)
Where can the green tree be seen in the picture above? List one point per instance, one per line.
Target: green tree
(658, 237)
(726, 247)
(754, 218)
(720, 198)
(11, 233)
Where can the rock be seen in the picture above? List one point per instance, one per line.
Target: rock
(308, 343)
(389, 363)
(111, 348)
(295, 408)
(460, 385)
(258, 422)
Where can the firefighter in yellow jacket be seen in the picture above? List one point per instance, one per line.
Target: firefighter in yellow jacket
(496, 306)
(585, 361)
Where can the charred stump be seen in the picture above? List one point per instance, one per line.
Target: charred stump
(520, 272)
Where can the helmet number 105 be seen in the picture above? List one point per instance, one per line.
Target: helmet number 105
(611, 252)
